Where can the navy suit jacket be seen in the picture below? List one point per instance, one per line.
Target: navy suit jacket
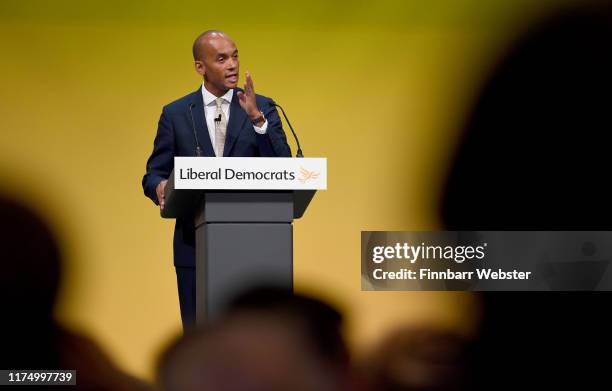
(175, 138)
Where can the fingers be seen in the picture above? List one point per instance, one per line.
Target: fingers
(248, 85)
(251, 85)
(161, 195)
(162, 200)
(247, 98)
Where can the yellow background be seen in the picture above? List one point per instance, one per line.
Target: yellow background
(380, 88)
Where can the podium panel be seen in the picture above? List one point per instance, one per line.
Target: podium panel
(231, 257)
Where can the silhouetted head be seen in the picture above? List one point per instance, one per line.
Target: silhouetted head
(268, 340)
(29, 281)
(534, 155)
(320, 324)
(30, 264)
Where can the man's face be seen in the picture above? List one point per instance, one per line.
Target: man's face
(220, 65)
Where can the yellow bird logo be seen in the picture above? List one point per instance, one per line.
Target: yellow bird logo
(306, 175)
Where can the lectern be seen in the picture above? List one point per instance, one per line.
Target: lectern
(243, 238)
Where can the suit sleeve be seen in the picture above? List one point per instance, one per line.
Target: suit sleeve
(274, 142)
(161, 161)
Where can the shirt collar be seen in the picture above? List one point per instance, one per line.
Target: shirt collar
(209, 98)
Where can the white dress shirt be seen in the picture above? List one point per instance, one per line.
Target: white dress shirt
(210, 108)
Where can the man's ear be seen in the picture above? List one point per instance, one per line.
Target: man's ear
(199, 67)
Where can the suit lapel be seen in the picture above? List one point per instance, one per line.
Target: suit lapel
(200, 123)
(234, 126)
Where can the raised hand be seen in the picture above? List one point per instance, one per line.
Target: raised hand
(248, 102)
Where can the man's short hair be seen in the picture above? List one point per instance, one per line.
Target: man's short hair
(197, 51)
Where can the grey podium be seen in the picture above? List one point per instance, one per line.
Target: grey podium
(243, 239)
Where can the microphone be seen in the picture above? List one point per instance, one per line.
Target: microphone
(218, 119)
(299, 149)
(195, 135)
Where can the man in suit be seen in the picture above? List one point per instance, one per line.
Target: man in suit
(217, 119)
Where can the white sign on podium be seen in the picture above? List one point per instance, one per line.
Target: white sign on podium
(250, 173)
